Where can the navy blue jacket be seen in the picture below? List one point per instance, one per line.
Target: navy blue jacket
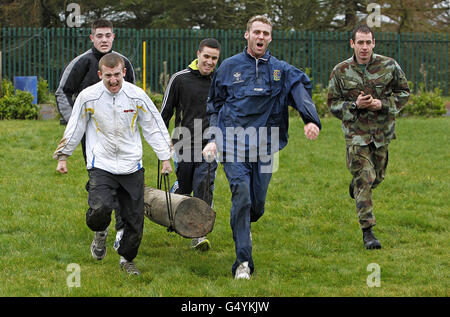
(247, 92)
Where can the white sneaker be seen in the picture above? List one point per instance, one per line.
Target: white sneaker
(242, 271)
(128, 267)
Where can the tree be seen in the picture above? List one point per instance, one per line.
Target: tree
(416, 15)
(205, 14)
(331, 15)
(19, 13)
(302, 15)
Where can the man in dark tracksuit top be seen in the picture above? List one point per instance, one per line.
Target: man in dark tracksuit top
(252, 91)
(186, 93)
(79, 74)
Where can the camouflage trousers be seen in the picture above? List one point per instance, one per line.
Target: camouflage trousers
(368, 165)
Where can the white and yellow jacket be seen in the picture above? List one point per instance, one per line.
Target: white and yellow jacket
(110, 121)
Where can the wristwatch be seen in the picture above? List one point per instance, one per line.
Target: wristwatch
(353, 106)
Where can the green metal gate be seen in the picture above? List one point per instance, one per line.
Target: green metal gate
(44, 52)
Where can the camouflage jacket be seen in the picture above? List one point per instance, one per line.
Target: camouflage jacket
(383, 79)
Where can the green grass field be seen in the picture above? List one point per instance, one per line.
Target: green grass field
(308, 243)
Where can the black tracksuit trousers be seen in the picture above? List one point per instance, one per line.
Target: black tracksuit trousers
(196, 177)
(125, 192)
(119, 222)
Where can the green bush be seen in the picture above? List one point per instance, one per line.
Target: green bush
(43, 95)
(426, 103)
(319, 98)
(18, 106)
(157, 99)
(7, 88)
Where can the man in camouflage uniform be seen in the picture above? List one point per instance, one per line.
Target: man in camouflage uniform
(366, 92)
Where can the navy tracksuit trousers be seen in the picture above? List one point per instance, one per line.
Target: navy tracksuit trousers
(248, 185)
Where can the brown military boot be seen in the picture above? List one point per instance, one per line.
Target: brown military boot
(370, 241)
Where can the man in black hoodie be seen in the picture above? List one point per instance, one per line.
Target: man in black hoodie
(80, 73)
(186, 94)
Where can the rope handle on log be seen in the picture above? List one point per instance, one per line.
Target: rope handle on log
(207, 189)
(168, 202)
(171, 227)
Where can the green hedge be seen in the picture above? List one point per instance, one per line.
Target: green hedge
(426, 103)
(423, 103)
(18, 104)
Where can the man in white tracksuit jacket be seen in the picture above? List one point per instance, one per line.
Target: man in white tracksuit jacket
(109, 113)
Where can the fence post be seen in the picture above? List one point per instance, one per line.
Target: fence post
(144, 65)
(1, 78)
(313, 64)
(47, 61)
(445, 38)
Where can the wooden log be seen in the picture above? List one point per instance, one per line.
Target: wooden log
(192, 217)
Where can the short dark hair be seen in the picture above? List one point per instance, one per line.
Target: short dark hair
(362, 28)
(111, 60)
(101, 23)
(209, 42)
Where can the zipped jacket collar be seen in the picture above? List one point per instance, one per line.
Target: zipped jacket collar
(193, 66)
(265, 58)
(105, 89)
(99, 54)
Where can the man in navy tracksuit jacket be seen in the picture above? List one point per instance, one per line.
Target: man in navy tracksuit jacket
(248, 112)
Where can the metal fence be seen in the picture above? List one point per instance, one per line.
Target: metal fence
(44, 52)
